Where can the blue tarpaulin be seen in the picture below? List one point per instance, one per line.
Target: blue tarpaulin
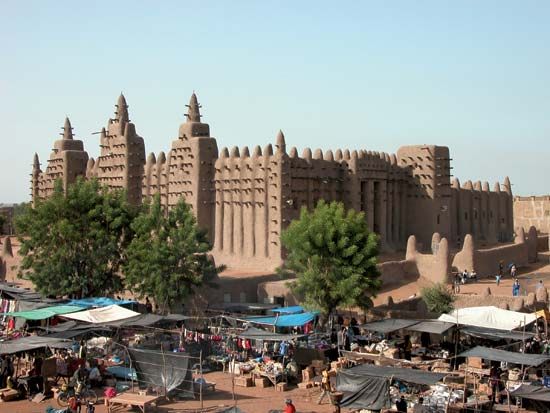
(295, 309)
(290, 320)
(99, 302)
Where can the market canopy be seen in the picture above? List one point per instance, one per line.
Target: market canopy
(45, 312)
(295, 309)
(431, 326)
(99, 302)
(489, 317)
(494, 354)
(290, 320)
(103, 314)
(253, 333)
(389, 325)
(32, 343)
(17, 293)
(495, 335)
(528, 391)
(145, 320)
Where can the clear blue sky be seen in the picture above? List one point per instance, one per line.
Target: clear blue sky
(472, 75)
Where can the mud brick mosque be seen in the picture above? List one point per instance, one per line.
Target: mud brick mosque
(245, 197)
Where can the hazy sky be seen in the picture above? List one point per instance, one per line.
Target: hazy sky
(472, 75)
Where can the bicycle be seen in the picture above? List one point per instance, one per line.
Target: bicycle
(82, 393)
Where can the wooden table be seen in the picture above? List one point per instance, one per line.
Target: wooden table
(131, 399)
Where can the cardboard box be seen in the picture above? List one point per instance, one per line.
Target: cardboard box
(242, 381)
(305, 385)
(9, 394)
(475, 362)
(281, 387)
(335, 365)
(262, 382)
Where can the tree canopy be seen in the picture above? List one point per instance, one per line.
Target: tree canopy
(333, 254)
(438, 298)
(168, 256)
(73, 243)
(3, 220)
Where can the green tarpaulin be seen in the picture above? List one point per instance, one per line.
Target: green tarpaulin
(46, 312)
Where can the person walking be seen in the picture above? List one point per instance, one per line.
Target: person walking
(513, 270)
(457, 283)
(325, 386)
(540, 285)
(498, 279)
(516, 288)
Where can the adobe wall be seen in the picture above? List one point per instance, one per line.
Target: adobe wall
(9, 262)
(532, 211)
(432, 267)
(486, 261)
(543, 243)
(394, 273)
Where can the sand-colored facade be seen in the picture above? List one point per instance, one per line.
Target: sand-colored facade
(245, 197)
(532, 211)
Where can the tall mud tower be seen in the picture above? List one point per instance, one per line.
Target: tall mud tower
(67, 162)
(120, 164)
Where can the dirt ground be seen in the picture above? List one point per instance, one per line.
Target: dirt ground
(248, 399)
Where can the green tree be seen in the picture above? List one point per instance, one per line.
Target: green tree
(438, 298)
(73, 244)
(168, 257)
(333, 254)
(3, 220)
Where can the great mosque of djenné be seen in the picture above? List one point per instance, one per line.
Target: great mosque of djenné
(244, 198)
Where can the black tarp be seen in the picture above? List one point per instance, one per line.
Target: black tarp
(31, 343)
(494, 334)
(494, 354)
(398, 373)
(367, 386)
(363, 392)
(172, 371)
(389, 325)
(528, 391)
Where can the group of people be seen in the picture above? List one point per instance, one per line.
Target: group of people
(462, 278)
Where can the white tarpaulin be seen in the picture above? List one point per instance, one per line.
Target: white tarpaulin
(490, 317)
(103, 314)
